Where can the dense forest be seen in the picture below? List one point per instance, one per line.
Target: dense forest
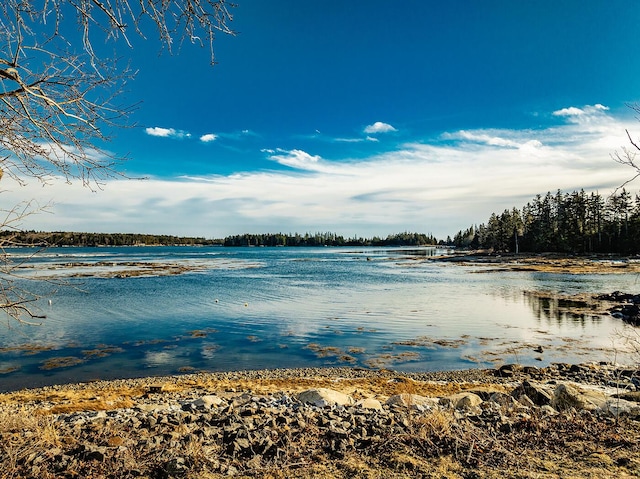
(33, 238)
(329, 239)
(575, 222)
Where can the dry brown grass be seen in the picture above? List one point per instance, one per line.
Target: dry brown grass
(431, 445)
(69, 400)
(24, 436)
(102, 396)
(435, 445)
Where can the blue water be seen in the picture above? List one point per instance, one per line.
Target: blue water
(254, 308)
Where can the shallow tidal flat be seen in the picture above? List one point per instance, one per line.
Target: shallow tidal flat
(547, 263)
(120, 269)
(131, 312)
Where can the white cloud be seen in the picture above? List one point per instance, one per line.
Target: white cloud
(434, 186)
(586, 115)
(209, 137)
(571, 111)
(586, 110)
(497, 138)
(481, 136)
(166, 132)
(296, 159)
(379, 127)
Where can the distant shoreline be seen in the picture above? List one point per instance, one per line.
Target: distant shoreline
(70, 238)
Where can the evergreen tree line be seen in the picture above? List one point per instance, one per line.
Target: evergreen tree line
(576, 222)
(33, 238)
(44, 239)
(328, 239)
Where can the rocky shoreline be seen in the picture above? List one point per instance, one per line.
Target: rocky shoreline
(509, 422)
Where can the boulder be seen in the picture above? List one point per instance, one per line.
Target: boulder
(413, 401)
(507, 370)
(323, 397)
(503, 400)
(465, 401)
(369, 403)
(539, 394)
(620, 407)
(633, 396)
(525, 402)
(567, 396)
(208, 402)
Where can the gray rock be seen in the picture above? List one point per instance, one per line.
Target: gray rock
(463, 401)
(567, 396)
(539, 394)
(619, 407)
(622, 385)
(413, 401)
(503, 400)
(633, 396)
(323, 397)
(369, 403)
(206, 402)
(547, 410)
(525, 402)
(507, 370)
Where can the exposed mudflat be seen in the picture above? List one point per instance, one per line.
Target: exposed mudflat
(548, 263)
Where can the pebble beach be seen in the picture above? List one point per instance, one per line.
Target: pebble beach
(335, 422)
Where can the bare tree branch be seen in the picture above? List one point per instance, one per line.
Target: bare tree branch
(58, 95)
(627, 156)
(16, 301)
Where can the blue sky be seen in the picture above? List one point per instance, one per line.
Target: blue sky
(367, 118)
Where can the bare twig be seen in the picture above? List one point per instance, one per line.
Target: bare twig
(58, 94)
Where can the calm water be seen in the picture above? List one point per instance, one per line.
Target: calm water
(254, 308)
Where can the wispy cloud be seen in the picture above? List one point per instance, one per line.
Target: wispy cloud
(238, 135)
(379, 127)
(166, 132)
(205, 138)
(493, 138)
(436, 185)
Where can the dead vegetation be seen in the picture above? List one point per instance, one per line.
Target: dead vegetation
(430, 445)
(440, 443)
